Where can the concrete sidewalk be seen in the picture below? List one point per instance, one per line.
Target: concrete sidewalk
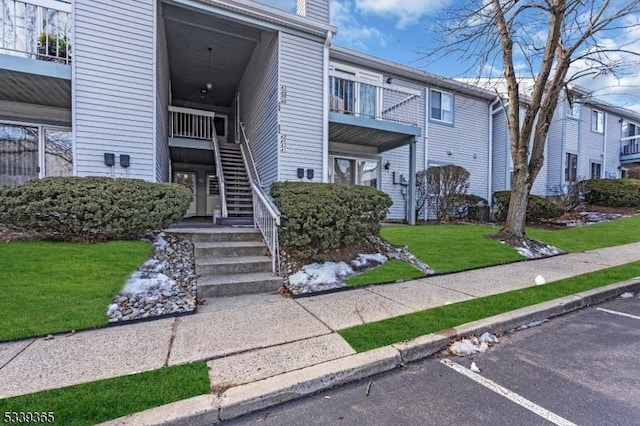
(249, 338)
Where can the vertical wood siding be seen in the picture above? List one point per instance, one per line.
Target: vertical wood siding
(259, 107)
(301, 106)
(113, 85)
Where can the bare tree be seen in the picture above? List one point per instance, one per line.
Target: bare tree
(554, 42)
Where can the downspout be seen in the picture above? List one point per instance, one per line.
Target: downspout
(325, 111)
(490, 183)
(579, 152)
(563, 154)
(604, 148)
(426, 141)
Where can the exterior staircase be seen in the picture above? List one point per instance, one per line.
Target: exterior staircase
(230, 261)
(237, 187)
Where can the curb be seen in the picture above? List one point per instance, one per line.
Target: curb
(244, 399)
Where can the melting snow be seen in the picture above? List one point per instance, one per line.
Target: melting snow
(474, 368)
(473, 345)
(627, 295)
(137, 284)
(543, 251)
(532, 324)
(368, 260)
(540, 280)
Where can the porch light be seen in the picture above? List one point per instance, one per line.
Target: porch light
(387, 165)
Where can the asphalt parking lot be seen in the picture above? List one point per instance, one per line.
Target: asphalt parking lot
(582, 368)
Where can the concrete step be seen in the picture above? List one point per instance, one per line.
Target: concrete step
(229, 249)
(231, 285)
(232, 265)
(236, 220)
(200, 235)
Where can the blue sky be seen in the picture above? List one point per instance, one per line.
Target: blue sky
(403, 30)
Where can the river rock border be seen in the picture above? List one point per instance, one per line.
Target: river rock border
(164, 285)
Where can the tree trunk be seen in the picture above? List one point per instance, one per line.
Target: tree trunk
(514, 227)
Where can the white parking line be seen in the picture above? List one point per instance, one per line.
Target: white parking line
(514, 397)
(622, 314)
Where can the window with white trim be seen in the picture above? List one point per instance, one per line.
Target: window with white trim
(573, 109)
(597, 121)
(355, 171)
(571, 167)
(441, 106)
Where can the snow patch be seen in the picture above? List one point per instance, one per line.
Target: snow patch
(532, 324)
(474, 368)
(320, 276)
(540, 280)
(160, 244)
(368, 260)
(627, 295)
(544, 250)
(473, 345)
(138, 285)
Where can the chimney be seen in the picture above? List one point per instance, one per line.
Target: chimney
(314, 9)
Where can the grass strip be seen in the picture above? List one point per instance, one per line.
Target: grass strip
(451, 248)
(50, 287)
(391, 271)
(382, 333)
(583, 238)
(96, 402)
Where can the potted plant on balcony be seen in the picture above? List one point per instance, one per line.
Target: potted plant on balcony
(52, 47)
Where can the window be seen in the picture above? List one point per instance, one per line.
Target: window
(573, 109)
(571, 168)
(441, 106)
(32, 151)
(596, 170)
(355, 171)
(597, 121)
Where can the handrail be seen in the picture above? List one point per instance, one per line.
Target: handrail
(254, 169)
(202, 113)
(267, 220)
(221, 180)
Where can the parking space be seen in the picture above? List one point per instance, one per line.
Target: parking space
(578, 369)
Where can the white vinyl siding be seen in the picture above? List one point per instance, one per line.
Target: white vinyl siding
(162, 102)
(113, 86)
(315, 9)
(500, 151)
(259, 107)
(301, 106)
(597, 121)
(466, 143)
(591, 147)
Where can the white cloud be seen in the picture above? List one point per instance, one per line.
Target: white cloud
(406, 12)
(351, 32)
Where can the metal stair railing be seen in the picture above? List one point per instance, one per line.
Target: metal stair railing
(266, 216)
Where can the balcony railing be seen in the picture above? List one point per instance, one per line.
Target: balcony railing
(630, 145)
(191, 123)
(36, 29)
(374, 101)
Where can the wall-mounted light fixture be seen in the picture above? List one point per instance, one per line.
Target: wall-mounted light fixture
(387, 165)
(389, 80)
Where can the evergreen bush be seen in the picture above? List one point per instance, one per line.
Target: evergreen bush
(319, 217)
(92, 208)
(538, 208)
(612, 192)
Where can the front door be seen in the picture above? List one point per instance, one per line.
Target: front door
(188, 179)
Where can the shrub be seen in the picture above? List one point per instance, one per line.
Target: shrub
(446, 186)
(612, 192)
(320, 217)
(92, 208)
(537, 207)
(474, 207)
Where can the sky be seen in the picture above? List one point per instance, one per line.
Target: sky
(404, 31)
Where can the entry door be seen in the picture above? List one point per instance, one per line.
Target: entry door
(188, 179)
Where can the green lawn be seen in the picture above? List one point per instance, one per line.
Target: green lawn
(450, 248)
(377, 334)
(56, 287)
(391, 271)
(96, 402)
(590, 237)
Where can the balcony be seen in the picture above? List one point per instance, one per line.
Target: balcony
(375, 115)
(36, 29)
(630, 149)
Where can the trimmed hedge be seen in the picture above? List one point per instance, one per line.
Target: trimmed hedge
(320, 217)
(538, 208)
(92, 208)
(612, 192)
